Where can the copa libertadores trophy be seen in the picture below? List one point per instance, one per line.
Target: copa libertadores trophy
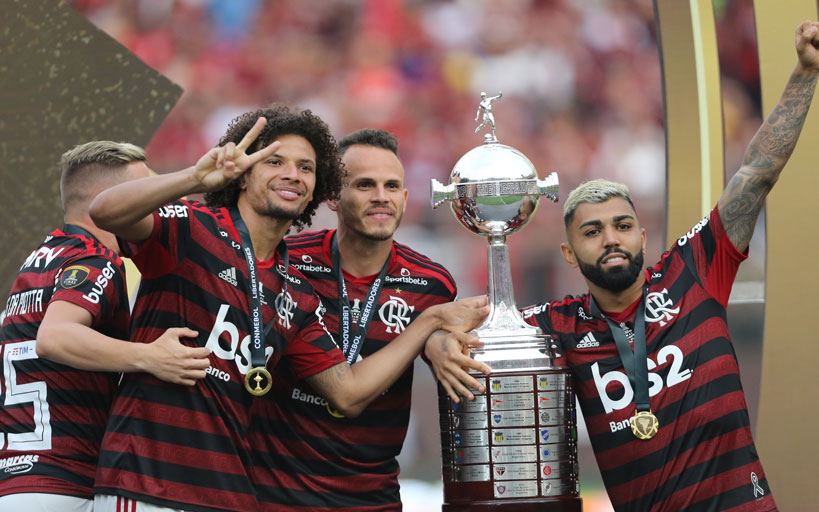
(514, 448)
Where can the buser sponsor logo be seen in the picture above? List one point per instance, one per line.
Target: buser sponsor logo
(535, 310)
(237, 350)
(100, 284)
(696, 229)
(173, 210)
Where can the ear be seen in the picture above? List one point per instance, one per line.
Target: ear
(568, 255)
(243, 180)
(332, 204)
(643, 233)
(406, 194)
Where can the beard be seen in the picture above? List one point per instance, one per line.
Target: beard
(277, 212)
(615, 279)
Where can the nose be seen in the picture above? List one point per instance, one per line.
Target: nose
(610, 237)
(379, 194)
(291, 172)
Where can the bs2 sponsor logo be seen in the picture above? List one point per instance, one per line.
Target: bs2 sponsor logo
(676, 375)
(237, 350)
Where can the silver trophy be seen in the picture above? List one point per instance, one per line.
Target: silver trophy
(515, 446)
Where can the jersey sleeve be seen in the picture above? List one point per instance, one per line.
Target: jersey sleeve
(94, 283)
(159, 254)
(313, 350)
(709, 253)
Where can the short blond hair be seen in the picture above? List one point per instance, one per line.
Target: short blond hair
(594, 191)
(87, 167)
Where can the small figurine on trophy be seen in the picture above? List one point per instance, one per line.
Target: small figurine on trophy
(488, 117)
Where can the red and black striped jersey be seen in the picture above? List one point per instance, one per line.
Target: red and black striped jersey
(187, 447)
(308, 457)
(52, 416)
(703, 457)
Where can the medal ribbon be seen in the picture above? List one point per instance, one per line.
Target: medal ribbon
(257, 359)
(351, 348)
(635, 364)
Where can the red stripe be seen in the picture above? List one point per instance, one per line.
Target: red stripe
(180, 495)
(174, 454)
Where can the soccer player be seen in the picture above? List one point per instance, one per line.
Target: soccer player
(657, 377)
(224, 271)
(69, 306)
(310, 456)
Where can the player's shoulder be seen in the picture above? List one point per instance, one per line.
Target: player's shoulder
(413, 262)
(568, 309)
(308, 242)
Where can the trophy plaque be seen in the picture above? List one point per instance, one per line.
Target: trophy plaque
(513, 448)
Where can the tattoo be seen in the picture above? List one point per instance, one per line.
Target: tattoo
(765, 157)
(329, 379)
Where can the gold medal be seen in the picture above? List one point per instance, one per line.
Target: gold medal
(644, 425)
(258, 375)
(334, 413)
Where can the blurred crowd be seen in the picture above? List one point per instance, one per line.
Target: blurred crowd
(582, 95)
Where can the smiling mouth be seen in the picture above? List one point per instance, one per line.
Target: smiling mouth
(287, 193)
(614, 259)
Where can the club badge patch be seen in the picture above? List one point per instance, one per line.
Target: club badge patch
(73, 276)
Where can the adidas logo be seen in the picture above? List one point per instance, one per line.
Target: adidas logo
(588, 341)
(229, 275)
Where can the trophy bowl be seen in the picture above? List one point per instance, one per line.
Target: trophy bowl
(494, 189)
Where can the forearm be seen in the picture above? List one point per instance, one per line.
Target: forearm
(352, 388)
(775, 140)
(766, 156)
(126, 208)
(84, 348)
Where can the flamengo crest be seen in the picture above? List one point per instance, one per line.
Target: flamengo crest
(395, 313)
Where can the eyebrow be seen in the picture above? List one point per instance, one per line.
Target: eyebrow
(598, 222)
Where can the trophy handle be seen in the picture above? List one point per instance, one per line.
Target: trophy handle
(549, 187)
(440, 193)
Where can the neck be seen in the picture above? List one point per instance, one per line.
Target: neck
(615, 302)
(265, 231)
(107, 238)
(360, 256)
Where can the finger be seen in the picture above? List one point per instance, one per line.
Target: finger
(186, 382)
(200, 352)
(469, 381)
(457, 377)
(196, 364)
(476, 301)
(220, 157)
(449, 391)
(230, 152)
(251, 135)
(262, 154)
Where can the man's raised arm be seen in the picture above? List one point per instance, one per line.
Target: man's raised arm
(126, 208)
(773, 143)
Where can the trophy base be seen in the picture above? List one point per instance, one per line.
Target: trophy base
(561, 504)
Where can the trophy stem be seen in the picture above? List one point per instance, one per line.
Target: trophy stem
(503, 319)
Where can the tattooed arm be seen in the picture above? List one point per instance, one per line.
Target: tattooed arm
(773, 144)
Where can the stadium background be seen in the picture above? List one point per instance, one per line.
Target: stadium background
(582, 96)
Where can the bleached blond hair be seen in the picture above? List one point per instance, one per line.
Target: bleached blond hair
(594, 191)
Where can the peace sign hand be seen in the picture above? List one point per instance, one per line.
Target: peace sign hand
(223, 164)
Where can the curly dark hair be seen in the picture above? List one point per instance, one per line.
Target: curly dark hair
(284, 120)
